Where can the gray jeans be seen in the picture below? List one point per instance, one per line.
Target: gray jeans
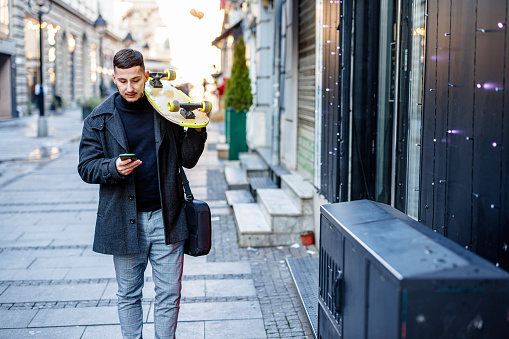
(167, 263)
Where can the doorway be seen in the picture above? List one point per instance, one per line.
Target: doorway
(5, 86)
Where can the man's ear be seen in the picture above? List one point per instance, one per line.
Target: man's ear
(146, 75)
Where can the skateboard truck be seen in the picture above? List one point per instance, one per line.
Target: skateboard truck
(187, 114)
(155, 78)
(186, 108)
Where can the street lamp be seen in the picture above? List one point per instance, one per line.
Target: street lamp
(41, 7)
(100, 26)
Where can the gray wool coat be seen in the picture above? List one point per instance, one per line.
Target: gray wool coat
(102, 140)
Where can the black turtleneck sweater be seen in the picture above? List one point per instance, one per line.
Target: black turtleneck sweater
(138, 120)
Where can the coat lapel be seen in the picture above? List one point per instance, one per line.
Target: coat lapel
(159, 130)
(116, 128)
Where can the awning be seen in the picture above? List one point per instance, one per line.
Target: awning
(226, 33)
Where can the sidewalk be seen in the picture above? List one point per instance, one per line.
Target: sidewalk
(53, 286)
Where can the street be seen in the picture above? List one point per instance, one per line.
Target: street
(53, 286)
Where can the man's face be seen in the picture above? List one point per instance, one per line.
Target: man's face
(130, 82)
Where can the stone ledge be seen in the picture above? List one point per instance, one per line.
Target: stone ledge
(278, 203)
(253, 165)
(250, 219)
(222, 150)
(238, 196)
(301, 187)
(235, 177)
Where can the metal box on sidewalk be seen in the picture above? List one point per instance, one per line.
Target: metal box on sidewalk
(384, 275)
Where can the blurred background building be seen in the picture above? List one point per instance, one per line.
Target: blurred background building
(79, 39)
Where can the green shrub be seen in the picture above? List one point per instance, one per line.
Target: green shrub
(238, 89)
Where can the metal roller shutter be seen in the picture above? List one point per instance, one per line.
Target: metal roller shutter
(306, 88)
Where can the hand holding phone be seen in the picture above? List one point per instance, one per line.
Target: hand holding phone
(126, 169)
(125, 156)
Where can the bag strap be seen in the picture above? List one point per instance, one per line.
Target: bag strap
(185, 184)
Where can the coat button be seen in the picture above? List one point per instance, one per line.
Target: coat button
(132, 221)
(131, 197)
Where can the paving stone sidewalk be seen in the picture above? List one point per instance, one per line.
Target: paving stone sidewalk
(53, 286)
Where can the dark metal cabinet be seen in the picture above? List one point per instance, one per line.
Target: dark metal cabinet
(384, 275)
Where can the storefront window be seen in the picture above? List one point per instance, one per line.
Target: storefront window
(31, 39)
(32, 32)
(4, 18)
(32, 55)
(400, 104)
(386, 97)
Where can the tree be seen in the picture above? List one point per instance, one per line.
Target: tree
(238, 89)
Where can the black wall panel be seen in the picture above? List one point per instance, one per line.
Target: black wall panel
(504, 184)
(460, 119)
(427, 188)
(330, 110)
(364, 98)
(488, 111)
(345, 68)
(403, 123)
(441, 114)
(335, 101)
(464, 170)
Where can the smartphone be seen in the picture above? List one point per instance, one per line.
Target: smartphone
(128, 156)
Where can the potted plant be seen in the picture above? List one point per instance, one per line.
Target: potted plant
(88, 105)
(238, 99)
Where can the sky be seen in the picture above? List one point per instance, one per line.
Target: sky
(191, 38)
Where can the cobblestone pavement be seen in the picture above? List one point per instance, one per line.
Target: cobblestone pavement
(53, 286)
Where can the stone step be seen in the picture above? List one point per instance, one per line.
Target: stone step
(256, 183)
(276, 171)
(265, 153)
(299, 190)
(282, 213)
(252, 229)
(238, 196)
(253, 165)
(222, 150)
(235, 176)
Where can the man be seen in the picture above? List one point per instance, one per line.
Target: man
(140, 215)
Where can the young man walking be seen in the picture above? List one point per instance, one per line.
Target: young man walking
(140, 215)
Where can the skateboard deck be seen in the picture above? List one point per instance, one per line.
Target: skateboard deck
(173, 104)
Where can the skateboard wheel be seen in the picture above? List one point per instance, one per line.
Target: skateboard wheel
(173, 106)
(206, 106)
(171, 75)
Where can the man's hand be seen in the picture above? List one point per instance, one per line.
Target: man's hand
(199, 109)
(125, 167)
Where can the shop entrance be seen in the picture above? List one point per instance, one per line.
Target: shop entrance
(5, 86)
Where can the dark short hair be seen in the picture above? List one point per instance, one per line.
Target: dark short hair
(127, 58)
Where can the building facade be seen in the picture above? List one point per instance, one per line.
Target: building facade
(397, 101)
(76, 55)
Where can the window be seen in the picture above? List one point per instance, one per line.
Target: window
(4, 18)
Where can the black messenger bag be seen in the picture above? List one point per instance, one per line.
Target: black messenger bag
(198, 222)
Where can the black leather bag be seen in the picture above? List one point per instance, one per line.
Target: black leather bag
(198, 222)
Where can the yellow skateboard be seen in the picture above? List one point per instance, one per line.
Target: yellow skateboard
(175, 105)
